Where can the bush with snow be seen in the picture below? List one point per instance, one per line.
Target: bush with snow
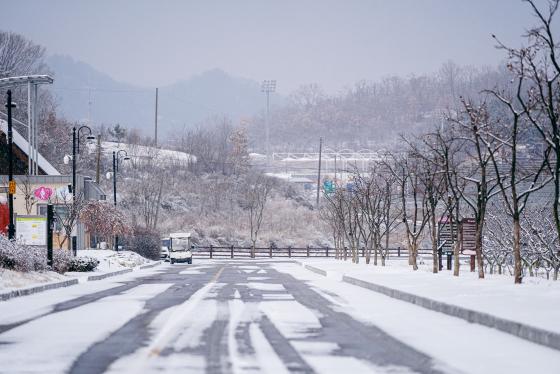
(19, 257)
(83, 264)
(24, 258)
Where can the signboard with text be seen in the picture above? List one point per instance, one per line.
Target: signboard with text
(31, 230)
(468, 236)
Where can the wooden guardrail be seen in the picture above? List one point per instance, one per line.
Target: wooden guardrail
(288, 252)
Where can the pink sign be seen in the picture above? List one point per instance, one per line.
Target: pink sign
(43, 193)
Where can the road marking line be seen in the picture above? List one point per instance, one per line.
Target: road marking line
(171, 329)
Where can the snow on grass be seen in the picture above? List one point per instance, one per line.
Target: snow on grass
(452, 342)
(51, 343)
(535, 302)
(11, 279)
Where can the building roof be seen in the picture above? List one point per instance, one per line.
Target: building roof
(22, 144)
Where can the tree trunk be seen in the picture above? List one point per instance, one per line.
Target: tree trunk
(414, 255)
(518, 267)
(456, 252)
(435, 263)
(478, 248)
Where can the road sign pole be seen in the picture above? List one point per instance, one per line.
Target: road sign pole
(11, 191)
(50, 227)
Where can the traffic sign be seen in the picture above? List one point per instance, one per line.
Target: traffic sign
(12, 188)
(328, 186)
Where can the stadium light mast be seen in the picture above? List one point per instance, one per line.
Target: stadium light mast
(268, 86)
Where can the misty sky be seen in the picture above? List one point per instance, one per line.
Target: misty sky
(332, 43)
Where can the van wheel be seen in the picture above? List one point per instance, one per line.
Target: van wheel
(172, 262)
(189, 261)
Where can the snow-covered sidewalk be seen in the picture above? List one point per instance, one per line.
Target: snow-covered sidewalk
(110, 263)
(535, 303)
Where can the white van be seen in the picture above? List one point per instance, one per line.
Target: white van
(180, 247)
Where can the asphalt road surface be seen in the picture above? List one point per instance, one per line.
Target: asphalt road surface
(209, 317)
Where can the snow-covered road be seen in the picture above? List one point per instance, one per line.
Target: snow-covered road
(246, 317)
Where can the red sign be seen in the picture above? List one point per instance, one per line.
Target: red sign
(43, 193)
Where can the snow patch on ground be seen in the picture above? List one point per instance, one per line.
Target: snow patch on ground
(266, 286)
(10, 279)
(69, 333)
(452, 342)
(110, 260)
(535, 302)
(290, 317)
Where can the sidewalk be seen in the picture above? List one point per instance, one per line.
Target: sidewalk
(110, 264)
(528, 311)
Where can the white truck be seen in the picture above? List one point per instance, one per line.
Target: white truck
(180, 247)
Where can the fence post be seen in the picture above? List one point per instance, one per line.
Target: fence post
(290, 251)
(363, 252)
(270, 251)
(232, 251)
(307, 250)
(399, 251)
(210, 250)
(327, 251)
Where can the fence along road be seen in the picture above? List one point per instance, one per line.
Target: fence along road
(231, 251)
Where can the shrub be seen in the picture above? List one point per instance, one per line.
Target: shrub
(26, 258)
(83, 264)
(61, 260)
(21, 257)
(145, 242)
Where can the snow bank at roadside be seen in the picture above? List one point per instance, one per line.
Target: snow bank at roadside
(11, 279)
(535, 302)
(110, 260)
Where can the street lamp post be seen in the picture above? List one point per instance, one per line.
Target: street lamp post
(116, 157)
(11, 226)
(76, 136)
(268, 86)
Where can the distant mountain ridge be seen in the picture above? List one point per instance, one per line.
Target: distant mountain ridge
(182, 104)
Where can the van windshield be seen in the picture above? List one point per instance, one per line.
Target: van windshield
(180, 244)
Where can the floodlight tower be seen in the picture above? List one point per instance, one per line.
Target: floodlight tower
(268, 86)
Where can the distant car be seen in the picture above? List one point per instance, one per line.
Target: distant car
(164, 253)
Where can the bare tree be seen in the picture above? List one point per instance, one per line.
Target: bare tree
(406, 170)
(254, 197)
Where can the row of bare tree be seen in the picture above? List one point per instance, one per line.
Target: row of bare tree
(499, 149)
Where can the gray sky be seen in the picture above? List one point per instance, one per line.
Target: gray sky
(332, 43)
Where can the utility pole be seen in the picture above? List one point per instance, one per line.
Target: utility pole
(267, 87)
(155, 135)
(11, 182)
(319, 171)
(115, 193)
(98, 167)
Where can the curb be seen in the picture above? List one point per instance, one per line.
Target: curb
(315, 270)
(149, 265)
(107, 275)
(36, 289)
(533, 334)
